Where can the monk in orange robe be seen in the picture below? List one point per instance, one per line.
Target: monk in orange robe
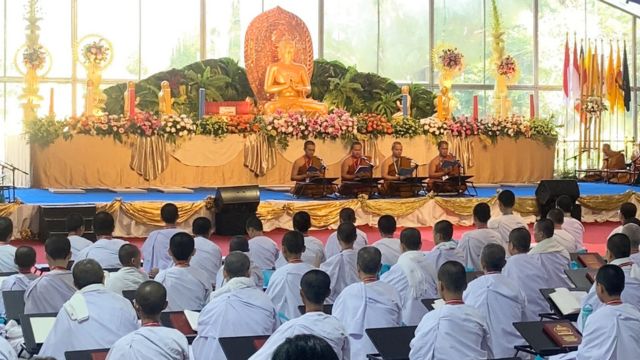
(444, 165)
(613, 160)
(351, 164)
(300, 169)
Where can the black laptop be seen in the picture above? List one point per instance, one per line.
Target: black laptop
(13, 304)
(241, 347)
(392, 343)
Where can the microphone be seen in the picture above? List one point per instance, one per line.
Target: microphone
(322, 165)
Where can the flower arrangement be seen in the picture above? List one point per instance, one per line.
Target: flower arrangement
(407, 128)
(463, 126)
(174, 127)
(43, 131)
(374, 125)
(594, 105)
(240, 124)
(508, 67)
(115, 126)
(216, 126)
(337, 125)
(34, 57)
(96, 52)
(433, 126)
(513, 126)
(144, 124)
(449, 59)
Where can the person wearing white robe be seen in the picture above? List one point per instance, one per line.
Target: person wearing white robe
(618, 246)
(130, 276)
(75, 229)
(105, 249)
(388, 245)
(523, 269)
(332, 247)
(499, 300)
(152, 341)
(314, 250)
(626, 215)
(314, 289)
(50, 291)
(187, 287)
(563, 237)
(264, 251)
(208, 257)
(571, 225)
(284, 285)
(412, 277)
(633, 233)
(7, 252)
(367, 304)
(553, 258)
(455, 330)
(473, 241)
(6, 350)
(240, 243)
(508, 221)
(342, 267)
(446, 248)
(612, 331)
(25, 260)
(236, 309)
(155, 249)
(94, 317)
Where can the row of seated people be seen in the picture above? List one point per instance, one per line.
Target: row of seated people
(414, 275)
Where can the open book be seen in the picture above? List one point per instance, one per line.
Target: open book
(568, 302)
(438, 304)
(192, 318)
(363, 170)
(405, 172)
(41, 327)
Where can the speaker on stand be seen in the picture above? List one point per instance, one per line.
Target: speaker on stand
(548, 192)
(234, 205)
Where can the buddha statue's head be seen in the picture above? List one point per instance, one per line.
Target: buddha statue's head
(405, 89)
(164, 85)
(286, 50)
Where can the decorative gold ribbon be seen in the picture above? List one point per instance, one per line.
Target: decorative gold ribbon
(148, 213)
(149, 156)
(259, 154)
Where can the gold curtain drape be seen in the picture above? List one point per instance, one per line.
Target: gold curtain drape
(259, 155)
(149, 157)
(8, 209)
(148, 213)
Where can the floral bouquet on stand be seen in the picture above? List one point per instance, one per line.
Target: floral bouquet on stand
(216, 126)
(463, 126)
(96, 52)
(144, 124)
(174, 127)
(594, 105)
(115, 126)
(407, 128)
(374, 125)
(337, 125)
(34, 57)
(434, 127)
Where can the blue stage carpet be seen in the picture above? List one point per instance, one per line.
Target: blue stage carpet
(40, 196)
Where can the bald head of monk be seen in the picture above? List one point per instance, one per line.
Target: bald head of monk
(150, 301)
(236, 264)
(239, 243)
(87, 272)
(369, 262)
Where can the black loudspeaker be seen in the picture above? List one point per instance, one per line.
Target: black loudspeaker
(53, 220)
(548, 192)
(234, 205)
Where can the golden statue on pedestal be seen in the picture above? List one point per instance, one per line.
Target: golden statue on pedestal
(165, 101)
(444, 104)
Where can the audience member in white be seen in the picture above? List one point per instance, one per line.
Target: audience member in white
(25, 260)
(94, 317)
(618, 246)
(342, 267)
(155, 250)
(473, 241)
(314, 250)
(187, 287)
(105, 249)
(208, 257)
(6, 350)
(7, 252)
(152, 341)
(552, 257)
(571, 225)
(130, 276)
(332, 247)
(236, 309)
(611, 332)
(314, 289)
(50, 291)
(412, 277)
(284, 285)
(455, 330)
(508, 221)
(264, 251)
(633, 233)
(240, 243)
(499, 300)
(626, 215)
(563, 237)
(307, 347)
(367, 304)
(523, 269)
(446, 248)
(75, 229)
(388, 245)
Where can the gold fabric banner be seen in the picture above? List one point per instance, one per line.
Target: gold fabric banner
(259, 155)
(8, 209)
(149, 156)
(148, 213)
(606, 202)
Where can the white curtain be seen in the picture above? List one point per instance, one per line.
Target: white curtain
(17, 153)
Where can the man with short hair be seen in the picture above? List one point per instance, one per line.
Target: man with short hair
(7, 252)
(552, 257)
(284, 285)
(347, 215)
(446, 248)
(388, 245)
(314, 289)
(236, 309)
(455, 330)
(106, 248)
(508, 221)
(208, 257)
(25, 260)
(499, 300)
(188, 288)
(300, 168)
(94, 317)
(155, 250)
(50, 291)
(264, 251)
(353, 162)
(412, 277)
(152, 340)
(341, 267)
(571, 225)
(130, 276)
(474, 241)
(75, 229)
(314, 249)
(241, 244)
(367, 304)
(562, 236)
(626, 215)
(633, 233)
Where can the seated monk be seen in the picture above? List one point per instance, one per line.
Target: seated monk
(290, 84)
(299, 170)
(443, 166)
(613, 160)
(391, 167)
(351, 164)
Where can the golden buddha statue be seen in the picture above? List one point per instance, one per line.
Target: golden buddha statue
(165, 101)
(443, 104)
(290, 84)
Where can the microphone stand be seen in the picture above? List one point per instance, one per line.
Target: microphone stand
(13, 169)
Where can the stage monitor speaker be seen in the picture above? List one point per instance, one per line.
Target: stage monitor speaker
(53, 220)
(234, 205)
(548, 192)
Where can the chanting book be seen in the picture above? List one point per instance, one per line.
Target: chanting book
(449, 164)
(568, 302)
(408, 172)
(562, 334)
(591, 260)
(312, 169)
(363, 170)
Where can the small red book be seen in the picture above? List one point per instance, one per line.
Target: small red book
(99, 355)
(591, 260)
(562, 334)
